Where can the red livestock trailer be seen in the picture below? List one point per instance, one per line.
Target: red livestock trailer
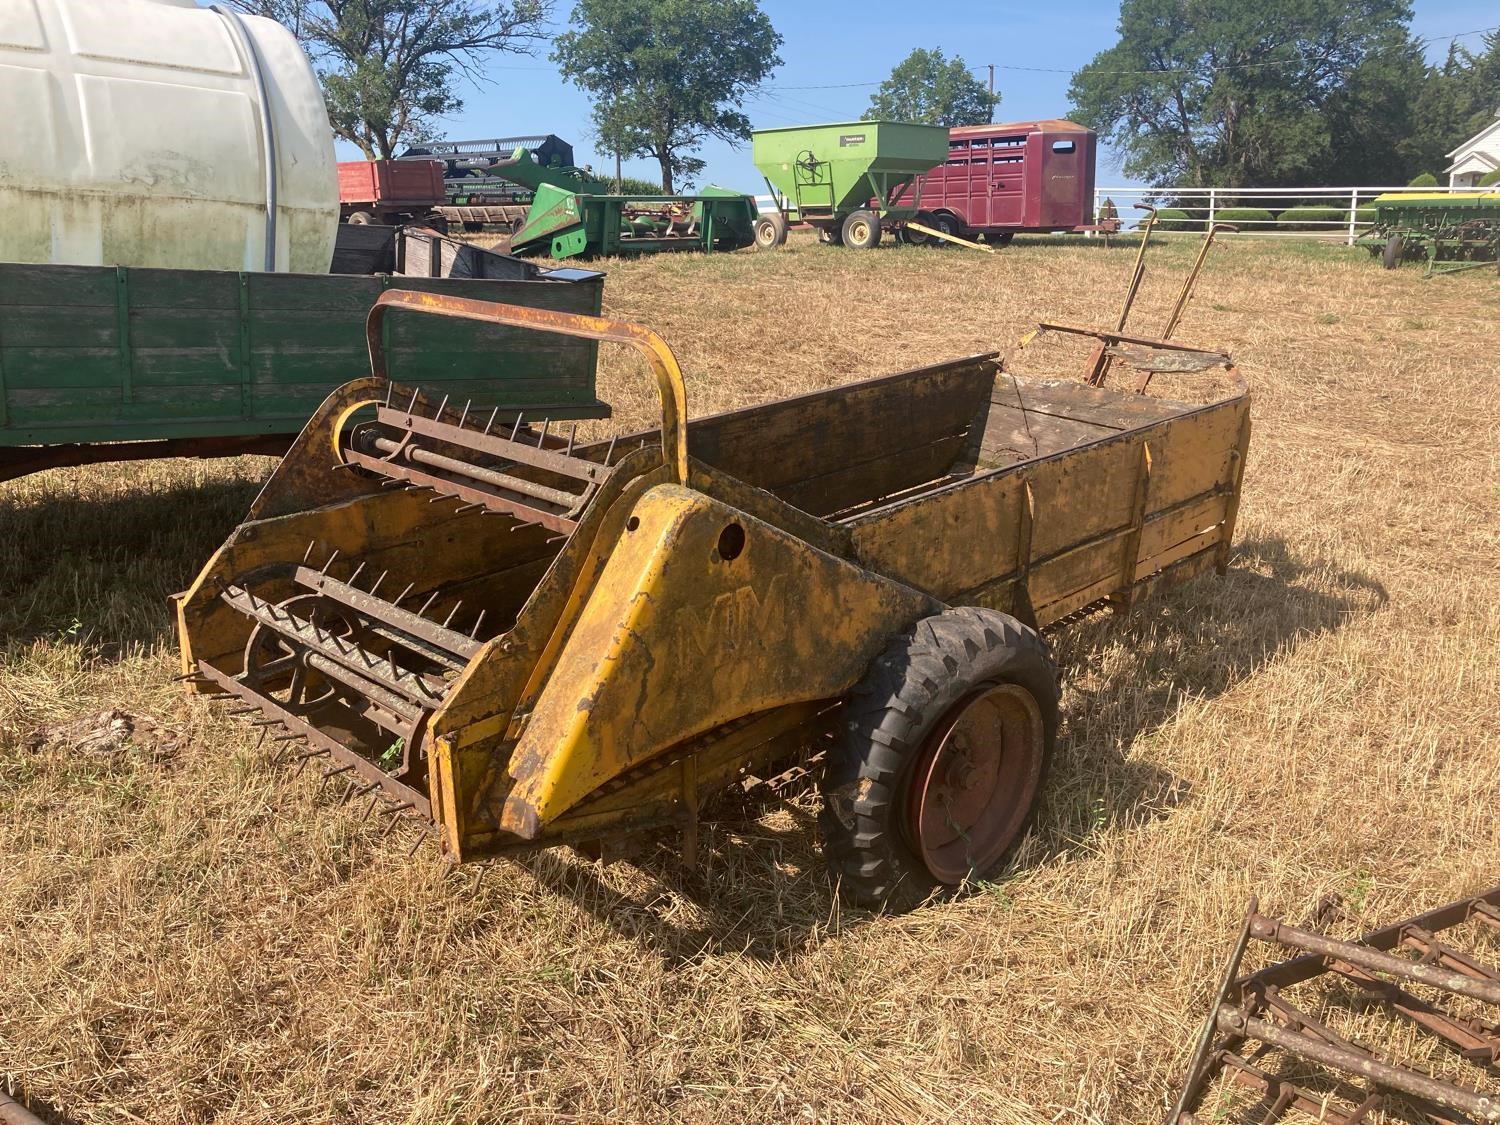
(390, 192)
(1020, 176)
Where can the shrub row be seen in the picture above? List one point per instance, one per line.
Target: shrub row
(1259, 218)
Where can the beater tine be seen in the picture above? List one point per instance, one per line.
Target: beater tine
(431, 598)
(415, 391)
(452, 612)
(572, 435)
(516, 426)
(542, 437)
(491, 422)
(307, 554)
(402, 596)
(330, 561)
(480, 621)
(378, 581)
(353, 578)
(464, 416)
(442, 406)
(610, 452)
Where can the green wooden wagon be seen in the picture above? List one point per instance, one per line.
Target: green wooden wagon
(102, 363)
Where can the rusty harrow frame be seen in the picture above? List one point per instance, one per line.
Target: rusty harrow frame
(1253, 1010)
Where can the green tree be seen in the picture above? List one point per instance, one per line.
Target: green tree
(1212, 93)
(1457, 99)
(667, 75)
(390, 67)
(929, 89)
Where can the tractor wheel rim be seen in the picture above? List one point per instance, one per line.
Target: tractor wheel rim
(860, 230)
(975, 781)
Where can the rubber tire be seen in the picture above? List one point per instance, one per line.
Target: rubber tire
(770, 231)
(830, 236)
(361, 219)
(949, 224)
(1004, 238)
(853, 223)
(916, 237)
(904, 695)
(1390, 258)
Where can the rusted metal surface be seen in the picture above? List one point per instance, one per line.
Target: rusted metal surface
(1185, 294)
(975, 784)
(13, 1112)
(658, 355)
(1332, 1069)
(483, 625)
(21, 460)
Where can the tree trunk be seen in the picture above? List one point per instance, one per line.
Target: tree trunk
(665, 160)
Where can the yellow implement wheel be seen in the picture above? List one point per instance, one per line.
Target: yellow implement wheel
(861, 230)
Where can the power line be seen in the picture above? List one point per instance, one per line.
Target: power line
(1136, 73)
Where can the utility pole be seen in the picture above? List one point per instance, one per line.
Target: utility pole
(992, 93)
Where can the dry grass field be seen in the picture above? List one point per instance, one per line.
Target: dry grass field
(189, 935)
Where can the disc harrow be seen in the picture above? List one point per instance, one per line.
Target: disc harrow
(1258, 1038)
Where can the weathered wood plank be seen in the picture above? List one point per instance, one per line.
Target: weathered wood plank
(871, 480)
(799, 438)
(1011, 434)
(1068, 398)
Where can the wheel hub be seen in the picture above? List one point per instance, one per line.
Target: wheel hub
(974, 782)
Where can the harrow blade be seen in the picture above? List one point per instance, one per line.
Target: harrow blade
(1253, 1010)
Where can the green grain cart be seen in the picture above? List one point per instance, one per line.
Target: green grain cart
(842, 178)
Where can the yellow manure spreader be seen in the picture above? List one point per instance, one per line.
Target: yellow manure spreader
(525, 642)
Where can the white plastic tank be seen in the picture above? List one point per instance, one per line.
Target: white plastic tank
(159, 133)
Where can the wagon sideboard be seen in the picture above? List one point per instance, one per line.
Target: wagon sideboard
(1039, 497)
(195, 361)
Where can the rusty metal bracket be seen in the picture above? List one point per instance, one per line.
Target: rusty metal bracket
(663, 363)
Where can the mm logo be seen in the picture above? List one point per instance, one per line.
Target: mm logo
(734, 619)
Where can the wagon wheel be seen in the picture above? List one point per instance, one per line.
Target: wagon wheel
(360, 219)
(770, 231)
(1391, 258)
(945, 744)
(861, 230)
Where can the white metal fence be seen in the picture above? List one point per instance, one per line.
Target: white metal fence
(1207, 205)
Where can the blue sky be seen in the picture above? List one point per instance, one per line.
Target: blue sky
(837, 54)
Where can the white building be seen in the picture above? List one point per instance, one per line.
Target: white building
(1477, 156)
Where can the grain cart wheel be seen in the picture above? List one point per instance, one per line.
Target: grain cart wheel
(770, 231)
(945, 743)
(1391, 258)
(361, 218)
(862, 230)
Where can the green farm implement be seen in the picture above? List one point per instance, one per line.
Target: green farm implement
(570, 224)
(1449, 231)
(105, 363)
(846, 180)
(572, 215)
